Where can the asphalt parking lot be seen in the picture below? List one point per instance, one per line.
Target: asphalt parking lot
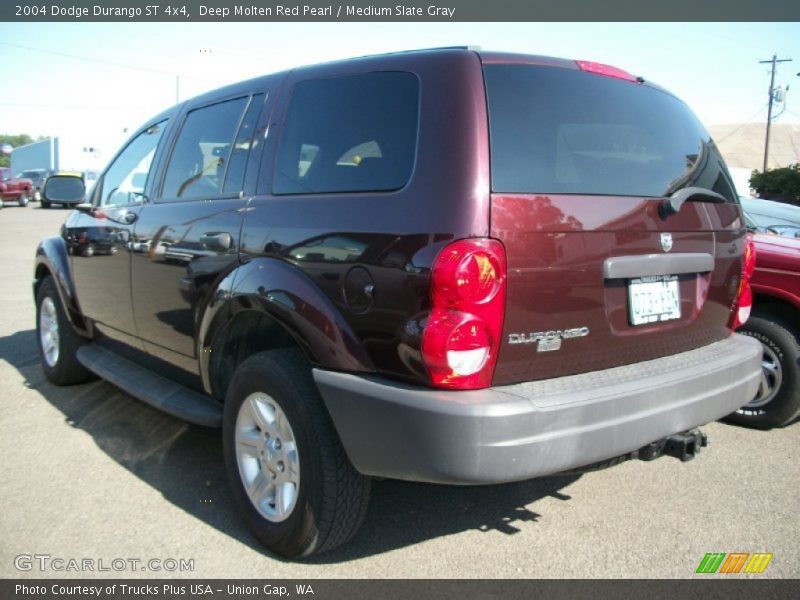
(89, 472)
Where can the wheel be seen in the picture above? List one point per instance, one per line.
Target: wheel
(88, 250)
(57, 341)
(777, 401)
(289, 473)
(45, 204)
(23, 200)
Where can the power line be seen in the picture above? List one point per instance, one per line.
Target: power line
(747, 122)
(111, 63)
(88, 59)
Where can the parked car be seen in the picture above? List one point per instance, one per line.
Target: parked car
(63, 190)
(775, 323)
(37, 177)
(445, 266)
(768, 216)
(13, 188)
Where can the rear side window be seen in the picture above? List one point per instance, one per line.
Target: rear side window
(200, 158)
(556, 130)
(353, 133)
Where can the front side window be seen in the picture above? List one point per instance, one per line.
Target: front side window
(353, 133)
(200, 158)
(124, 181)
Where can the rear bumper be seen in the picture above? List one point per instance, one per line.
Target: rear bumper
(521, 431)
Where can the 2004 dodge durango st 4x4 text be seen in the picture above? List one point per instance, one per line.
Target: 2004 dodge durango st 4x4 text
(447, 266)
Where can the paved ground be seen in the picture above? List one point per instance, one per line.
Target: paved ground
(89, 472)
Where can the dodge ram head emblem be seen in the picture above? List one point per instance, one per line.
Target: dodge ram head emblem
(666, 241)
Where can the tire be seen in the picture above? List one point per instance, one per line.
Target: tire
(324, 498)
(45, 204)
(23, 200)
(88, 251)
(778, 399)
(56, 339)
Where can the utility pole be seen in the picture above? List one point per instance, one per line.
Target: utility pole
(773, 61)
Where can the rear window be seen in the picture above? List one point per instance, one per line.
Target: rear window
(556, 130)
(354, 133)
(65, 189)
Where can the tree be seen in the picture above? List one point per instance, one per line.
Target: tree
(778, 184)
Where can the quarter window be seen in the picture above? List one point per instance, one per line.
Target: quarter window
(352, 133)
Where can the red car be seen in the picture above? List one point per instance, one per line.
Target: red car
(13, 188)
(775, 322)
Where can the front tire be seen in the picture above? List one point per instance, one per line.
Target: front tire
(777, 401)
(23, 200)
(57, 341)
(45, 204)
(289, 473)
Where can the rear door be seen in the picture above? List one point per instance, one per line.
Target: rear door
(597, 277)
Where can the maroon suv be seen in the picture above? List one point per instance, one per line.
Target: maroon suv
(446, 266)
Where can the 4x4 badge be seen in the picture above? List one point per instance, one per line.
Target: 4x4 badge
(666, 241)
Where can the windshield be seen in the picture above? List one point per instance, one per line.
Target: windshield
(557, 130)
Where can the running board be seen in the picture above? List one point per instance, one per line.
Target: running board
(155, 390)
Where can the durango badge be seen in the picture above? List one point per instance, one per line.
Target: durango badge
(547, 340)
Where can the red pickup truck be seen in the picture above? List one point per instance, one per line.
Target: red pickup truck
(775, 322)
(13, 188)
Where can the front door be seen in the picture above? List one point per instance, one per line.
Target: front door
(100, 241)
(188, 237)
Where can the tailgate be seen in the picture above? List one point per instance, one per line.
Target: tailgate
(596, 277)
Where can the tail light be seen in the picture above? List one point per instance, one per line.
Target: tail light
(744, 299)
(468, 293)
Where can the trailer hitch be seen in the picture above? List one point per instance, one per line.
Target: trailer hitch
(680, 445)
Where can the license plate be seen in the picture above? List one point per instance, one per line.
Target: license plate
(654, 299)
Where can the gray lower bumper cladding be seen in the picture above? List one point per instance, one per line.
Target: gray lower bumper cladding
(521, 431)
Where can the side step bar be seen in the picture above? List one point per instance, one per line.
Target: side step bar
(157, 391)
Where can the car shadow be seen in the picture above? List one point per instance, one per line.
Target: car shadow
(184, 463)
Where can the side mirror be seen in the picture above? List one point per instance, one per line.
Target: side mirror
(84, 207)
(64, 189)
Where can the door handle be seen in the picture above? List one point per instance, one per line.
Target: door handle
(216, 241)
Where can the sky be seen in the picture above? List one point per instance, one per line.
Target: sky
(93, 83)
